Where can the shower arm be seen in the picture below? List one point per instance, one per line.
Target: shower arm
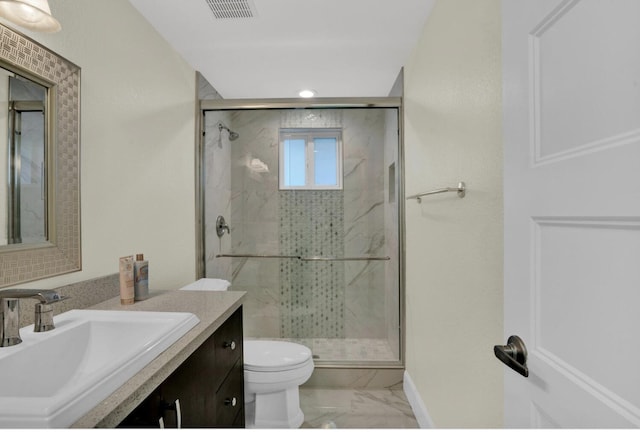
(232, 134)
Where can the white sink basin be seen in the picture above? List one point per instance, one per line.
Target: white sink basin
(53, 378)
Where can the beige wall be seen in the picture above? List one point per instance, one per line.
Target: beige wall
(454, 246)
(137, 142)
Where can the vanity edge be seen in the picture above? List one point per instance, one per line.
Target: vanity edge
(212, 308)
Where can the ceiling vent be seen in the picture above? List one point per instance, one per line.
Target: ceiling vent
(223, 9)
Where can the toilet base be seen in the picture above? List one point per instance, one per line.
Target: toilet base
(274, 410)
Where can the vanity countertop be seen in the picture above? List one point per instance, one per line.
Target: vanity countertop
(212, 308)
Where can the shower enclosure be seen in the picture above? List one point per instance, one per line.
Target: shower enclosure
(311, 197)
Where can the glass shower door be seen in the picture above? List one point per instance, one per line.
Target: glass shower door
(320, 265)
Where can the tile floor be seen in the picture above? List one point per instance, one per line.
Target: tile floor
(356, 408)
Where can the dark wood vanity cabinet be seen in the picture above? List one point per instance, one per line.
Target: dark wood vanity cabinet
(208, 386)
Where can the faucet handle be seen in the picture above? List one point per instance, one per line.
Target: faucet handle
(44, 312)
(43, 318)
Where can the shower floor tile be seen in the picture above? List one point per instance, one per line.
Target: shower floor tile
(345, 349)
(350, 408)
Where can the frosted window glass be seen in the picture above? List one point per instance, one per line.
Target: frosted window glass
(325, 161)
(294, 162)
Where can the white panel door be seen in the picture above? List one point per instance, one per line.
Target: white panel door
(571, 74)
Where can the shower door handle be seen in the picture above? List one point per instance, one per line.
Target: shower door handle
(513, 355)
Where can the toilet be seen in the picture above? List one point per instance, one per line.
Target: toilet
(273, 371)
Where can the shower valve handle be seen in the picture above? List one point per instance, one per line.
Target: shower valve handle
(221, 226)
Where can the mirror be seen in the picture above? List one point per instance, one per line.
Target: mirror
(40, 166)
(23, 164)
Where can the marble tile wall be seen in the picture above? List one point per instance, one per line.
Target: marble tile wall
(217, 183)
(255, 218)
(217, 197)
(363, 135)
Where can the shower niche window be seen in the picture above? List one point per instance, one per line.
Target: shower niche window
(310, 159)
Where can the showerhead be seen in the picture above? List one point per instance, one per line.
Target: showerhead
(232, 135)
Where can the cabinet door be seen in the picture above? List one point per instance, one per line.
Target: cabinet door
(208, 386)
(228, 346)
(147, 414)
(230, 365)
(230, 398)
(193, 384)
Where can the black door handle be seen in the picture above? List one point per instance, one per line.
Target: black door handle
(514, 355)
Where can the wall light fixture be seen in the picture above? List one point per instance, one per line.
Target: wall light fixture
(30, 14)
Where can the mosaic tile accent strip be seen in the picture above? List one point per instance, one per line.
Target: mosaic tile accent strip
(312, 293)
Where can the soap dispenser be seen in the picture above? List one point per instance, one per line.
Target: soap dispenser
(141, 278)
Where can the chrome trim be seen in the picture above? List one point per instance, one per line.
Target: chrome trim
(257, 256)
(359, 365)
(268, 104)
(460, 189)
(340, 259)
(199, 187)
(304, 259)
(401, 224)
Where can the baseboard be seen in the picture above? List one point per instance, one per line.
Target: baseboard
(417, 405)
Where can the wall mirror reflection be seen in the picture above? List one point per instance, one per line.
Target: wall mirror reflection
(23, 160)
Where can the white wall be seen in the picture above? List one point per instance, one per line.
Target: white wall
(454, 246)
(137, 142)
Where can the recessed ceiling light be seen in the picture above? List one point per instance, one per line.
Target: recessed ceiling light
(307, 93)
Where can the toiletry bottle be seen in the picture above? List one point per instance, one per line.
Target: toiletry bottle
(141, 278)
(126, 280)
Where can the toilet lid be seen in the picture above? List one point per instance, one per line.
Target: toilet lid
(270, 355)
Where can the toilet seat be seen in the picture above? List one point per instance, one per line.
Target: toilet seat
(273, 356)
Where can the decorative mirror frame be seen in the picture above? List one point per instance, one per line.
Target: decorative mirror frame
(62, 254)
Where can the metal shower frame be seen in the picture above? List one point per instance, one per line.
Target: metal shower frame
(326, 103)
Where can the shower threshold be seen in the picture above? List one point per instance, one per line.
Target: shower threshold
(345, 349)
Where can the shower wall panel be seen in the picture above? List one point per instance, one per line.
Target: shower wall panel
(255, 218)
(363, 136)
(217, 197)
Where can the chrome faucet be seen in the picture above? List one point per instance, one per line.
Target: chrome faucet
(10, 318)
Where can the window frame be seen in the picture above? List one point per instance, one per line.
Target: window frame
(309, 135)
